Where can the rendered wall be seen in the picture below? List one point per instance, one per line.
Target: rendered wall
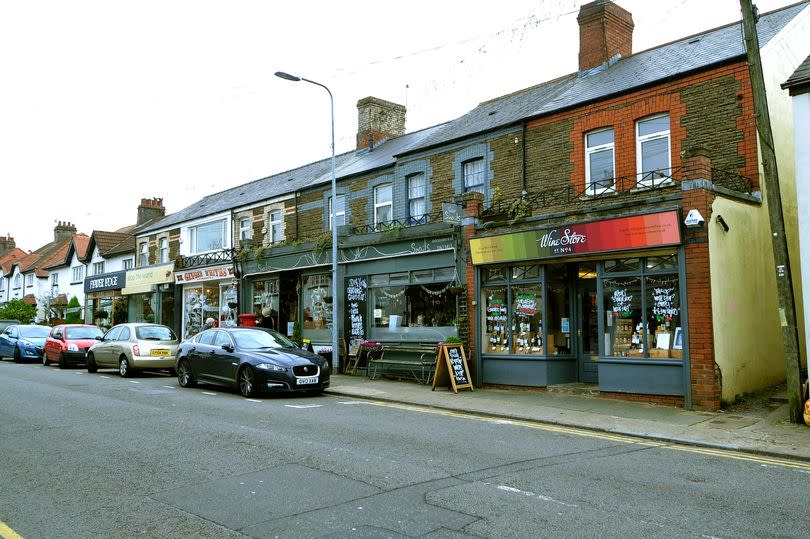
(801, 123)
(747, 335)
(780, 58)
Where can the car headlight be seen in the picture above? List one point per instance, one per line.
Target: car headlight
(72, 347)
(27, 344)
(271, 367)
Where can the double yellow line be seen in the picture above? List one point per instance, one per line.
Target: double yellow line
(575, 431)
(8, 533)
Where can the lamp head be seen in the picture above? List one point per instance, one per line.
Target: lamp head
(287, 76)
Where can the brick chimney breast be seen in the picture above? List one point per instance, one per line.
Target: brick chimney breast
(6, 244)
(150, 209)
(63, 231)
(605, 29)
(378, 119)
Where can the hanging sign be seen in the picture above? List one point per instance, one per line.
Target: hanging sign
(356, 305)
(451, 368)
(636, 232)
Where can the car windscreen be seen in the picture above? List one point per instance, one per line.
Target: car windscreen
(82, 333)
(254, 339)
(34, 332)
(154, 333)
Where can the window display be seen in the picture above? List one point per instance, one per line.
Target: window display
(496, 336)
(199, 304)
(527, 320)
(265, 302)
(318, 301)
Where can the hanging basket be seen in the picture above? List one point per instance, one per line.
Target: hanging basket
(456, 289)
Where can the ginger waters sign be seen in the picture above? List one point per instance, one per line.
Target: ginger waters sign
(636, 232)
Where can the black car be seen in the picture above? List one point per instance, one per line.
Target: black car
(254, 360)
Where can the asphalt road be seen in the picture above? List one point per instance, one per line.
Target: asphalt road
(95, 455)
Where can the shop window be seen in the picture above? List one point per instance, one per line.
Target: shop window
(622, 265)
(416, 199)
(339, 216)
(163, 249)
(266, 302)
(245, 228)
(317, 300)
(473, 173)
(662, 263)
(527, 319)
(497, 273)
(624, 330)
(274, 228)
(599, 162)
(143, 307)
(199, 304)
(167, 307)
(558, 309)
(415, 304)
(383, 206)
(663, 315)
(207, 237)
(496, 336)
(526, 272)
(652, 151)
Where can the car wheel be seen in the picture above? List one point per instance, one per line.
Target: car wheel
(17, 357)
(62, 362)
(45, 360)
(247, 382)
(184, 376)
(91, 363)
(123, 367)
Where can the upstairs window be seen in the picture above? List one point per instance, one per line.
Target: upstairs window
(78, 274)
(143, 257)
(652, 150)
(128, 263)
(54, 280)
(383, 205)
(599, 162)
(207, 237)
(29, 280)
(164, 250)
(339, 216)
(274, 228)
(245, 230)
(473, 172)
(98, 267)
(416, 199)
(18, 281)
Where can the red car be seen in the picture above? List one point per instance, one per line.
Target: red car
(67, 344)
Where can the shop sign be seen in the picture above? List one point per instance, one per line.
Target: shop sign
(140, 281)
(370, 252)
(107, 281)
(639, 231)
(356, 305)
(451, 213)
(203, 274)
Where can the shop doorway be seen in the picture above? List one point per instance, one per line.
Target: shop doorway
(587, 336)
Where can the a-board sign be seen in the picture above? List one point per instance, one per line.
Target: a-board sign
(356, 306)
(451, 368)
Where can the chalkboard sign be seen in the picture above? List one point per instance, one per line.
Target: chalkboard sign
(356, 294)
(451, 368)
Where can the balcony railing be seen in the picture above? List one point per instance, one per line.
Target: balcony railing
(395, 224)
(610, 189)
(205, 259)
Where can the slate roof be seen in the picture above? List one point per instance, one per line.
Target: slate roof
(667, 61)
(643, 68)
(799, 81)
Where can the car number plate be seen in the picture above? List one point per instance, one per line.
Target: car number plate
(159, 352)
(307, 381)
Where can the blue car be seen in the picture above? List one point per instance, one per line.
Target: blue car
(23, 342)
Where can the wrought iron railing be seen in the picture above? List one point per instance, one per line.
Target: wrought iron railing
(609, 189)
(395, 224)
(205, 259)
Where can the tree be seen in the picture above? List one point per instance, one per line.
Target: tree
(17, 309)
(74, 311)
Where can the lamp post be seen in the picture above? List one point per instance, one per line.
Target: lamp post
(332, 221)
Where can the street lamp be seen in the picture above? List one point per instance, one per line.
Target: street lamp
(332, 217)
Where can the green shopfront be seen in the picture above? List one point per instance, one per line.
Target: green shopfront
(593, 302)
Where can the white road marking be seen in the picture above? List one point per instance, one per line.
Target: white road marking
(353, 402)
(303, 406)
(254, 400)
(503, 422)
(529, 494)
(102, 376)
(209, 393)
(170, 387)
(79, 373)
(134, 382)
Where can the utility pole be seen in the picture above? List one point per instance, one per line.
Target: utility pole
(787, 310)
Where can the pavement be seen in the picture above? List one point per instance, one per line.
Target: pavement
(759, 427)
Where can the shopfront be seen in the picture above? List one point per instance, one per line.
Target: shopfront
(208, 294)
(150, 295)
(593, 302)
(104, 304)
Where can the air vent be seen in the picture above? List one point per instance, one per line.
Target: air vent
(693, 41)
(492, 113)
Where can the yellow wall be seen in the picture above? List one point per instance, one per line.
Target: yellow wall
(780, 58)
(748, 339)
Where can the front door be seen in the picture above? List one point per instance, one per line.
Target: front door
(587, 324)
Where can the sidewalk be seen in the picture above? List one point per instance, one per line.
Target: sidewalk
(763, 430)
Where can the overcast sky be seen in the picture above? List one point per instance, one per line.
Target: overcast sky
(103, 103)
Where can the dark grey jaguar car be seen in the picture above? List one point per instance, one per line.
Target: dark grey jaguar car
(254, 360)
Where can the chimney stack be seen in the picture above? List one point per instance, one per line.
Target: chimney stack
(63, 231)
(150, 209)
(605, 29)
(6, 244)
(378, 119)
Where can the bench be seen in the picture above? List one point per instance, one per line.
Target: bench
(417, 360)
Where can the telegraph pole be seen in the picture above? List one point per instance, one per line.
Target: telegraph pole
(787, 310)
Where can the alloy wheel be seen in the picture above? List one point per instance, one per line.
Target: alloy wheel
(247, 382)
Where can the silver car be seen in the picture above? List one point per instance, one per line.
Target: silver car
(131, 347)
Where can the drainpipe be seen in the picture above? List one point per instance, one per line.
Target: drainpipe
(523, 158)
(296, 215)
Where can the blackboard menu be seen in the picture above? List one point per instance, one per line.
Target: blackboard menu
(457, 366)
(451, 368)
(356, 307)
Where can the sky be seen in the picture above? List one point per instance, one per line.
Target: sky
(103, 103)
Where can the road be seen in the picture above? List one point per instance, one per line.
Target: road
(95, 455)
